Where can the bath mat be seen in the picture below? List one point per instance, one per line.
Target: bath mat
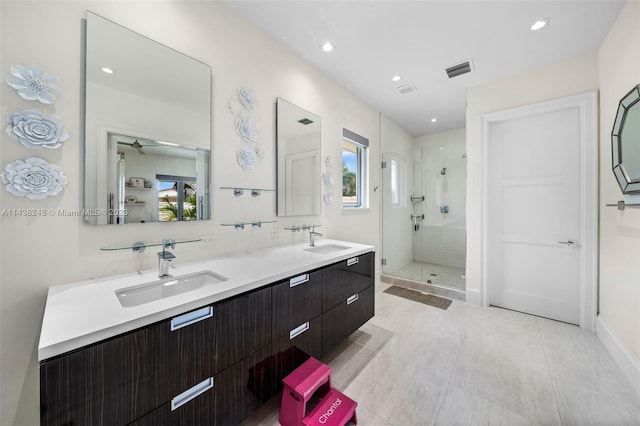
(416, 296)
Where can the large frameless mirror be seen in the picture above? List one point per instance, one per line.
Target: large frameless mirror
(147, 129)
(625, 143)
(298, 146)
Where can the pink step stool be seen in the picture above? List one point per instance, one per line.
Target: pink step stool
(334, 409)
(299, 387)
(313, 379)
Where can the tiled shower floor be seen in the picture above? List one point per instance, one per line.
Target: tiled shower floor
(447, 276)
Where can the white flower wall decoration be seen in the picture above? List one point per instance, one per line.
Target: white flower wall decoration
(246, 128)
(35, 130)
(32, 83)
(33, 178)
(247, 97)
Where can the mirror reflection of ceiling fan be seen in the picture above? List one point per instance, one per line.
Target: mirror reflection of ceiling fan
(137, 145)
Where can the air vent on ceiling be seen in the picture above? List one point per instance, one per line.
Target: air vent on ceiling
(406, 89)
(459, 69)
(305, 121)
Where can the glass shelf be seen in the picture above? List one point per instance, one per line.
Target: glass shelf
(254, 224)
(297, 228)
(238, 190)
(140, 246)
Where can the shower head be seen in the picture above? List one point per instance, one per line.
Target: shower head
(443, 171)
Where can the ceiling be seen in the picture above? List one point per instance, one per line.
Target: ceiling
(375, 40)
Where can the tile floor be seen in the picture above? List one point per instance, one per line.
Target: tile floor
(414, 364)
(448, 276)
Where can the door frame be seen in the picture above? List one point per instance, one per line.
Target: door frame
(588, 237)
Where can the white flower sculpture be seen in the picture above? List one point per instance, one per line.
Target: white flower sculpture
(35, 130)
(247, 97)
(247, 159)
(246, 128)
(33, 84)
(33, 178)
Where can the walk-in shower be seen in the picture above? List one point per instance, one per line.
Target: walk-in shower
(423, 217)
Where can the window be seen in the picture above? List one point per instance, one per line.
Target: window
(176, 198)
(395, 182)
(354, 169)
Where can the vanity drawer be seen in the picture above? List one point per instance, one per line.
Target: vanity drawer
(118, 380)
(295, 301)
(345, 278)
(291, 350)
(198, 407)
(243, 325)
(342, 320)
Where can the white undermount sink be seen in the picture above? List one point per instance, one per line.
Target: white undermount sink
(327, 248)
(167, 287)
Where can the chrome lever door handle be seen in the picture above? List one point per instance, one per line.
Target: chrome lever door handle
(568, 243)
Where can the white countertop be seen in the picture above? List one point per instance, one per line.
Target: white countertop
(79, 314)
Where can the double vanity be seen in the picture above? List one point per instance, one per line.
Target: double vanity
(208, 345)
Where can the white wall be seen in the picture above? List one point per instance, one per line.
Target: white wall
(553, 81)
(619, 61)
(38, 252)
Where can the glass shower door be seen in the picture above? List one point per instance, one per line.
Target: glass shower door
(402, 213)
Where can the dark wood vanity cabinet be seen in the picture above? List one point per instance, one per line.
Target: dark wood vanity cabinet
(345, 278)
(214, 365)
(121, 379)
(347, 298)
(243, 325)
(342, 320)
(295, 301)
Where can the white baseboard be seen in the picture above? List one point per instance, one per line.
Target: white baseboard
(473, 296)
(629, 365)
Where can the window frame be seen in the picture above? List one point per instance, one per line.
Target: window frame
(361, 146)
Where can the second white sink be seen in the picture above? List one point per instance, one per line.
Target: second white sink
(167, 287)
(327, 248)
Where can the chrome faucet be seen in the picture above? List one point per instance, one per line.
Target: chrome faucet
(312, 236)
(164, 257)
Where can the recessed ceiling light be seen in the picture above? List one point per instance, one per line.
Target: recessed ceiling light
(433, 120)
(327, 47)
(107, 70)
(540, 24)
(396, 78)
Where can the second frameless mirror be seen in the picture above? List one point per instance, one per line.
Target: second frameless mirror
(298, 145)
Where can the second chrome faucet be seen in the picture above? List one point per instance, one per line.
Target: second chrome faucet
(312, 236)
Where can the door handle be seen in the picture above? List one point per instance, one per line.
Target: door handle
(568, 243)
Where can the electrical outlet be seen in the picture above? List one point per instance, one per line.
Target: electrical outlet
(207, 240)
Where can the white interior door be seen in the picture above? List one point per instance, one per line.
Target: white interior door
(533, 255)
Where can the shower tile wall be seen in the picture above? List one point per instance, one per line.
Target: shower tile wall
(443, 177)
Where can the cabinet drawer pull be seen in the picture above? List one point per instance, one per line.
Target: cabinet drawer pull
(298, 280)
(298, 330)
(352, 299)
(191, 317)
(352, 261)
(191, 393)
